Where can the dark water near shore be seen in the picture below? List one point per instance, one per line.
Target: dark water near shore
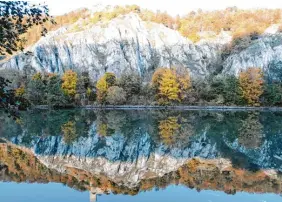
(141, 155)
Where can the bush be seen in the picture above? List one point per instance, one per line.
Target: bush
(116, 95)
(272, 95)
(131, 83)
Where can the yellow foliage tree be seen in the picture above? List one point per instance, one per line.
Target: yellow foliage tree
(251, 84)
(157, 77)
(37, 76)
(105, 82)
(102, 88)
(169, 87)
(20, 91)
(171, 84)
(69, 83)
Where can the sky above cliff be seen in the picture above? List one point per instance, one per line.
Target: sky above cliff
(58, 7)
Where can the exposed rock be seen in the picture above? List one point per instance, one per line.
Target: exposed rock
(262, 53)
(127, 43)
(124, 44)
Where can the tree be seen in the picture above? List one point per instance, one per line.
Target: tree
(184, 80)
(116, 95)
(110, 79)
(232, 92)
(169, 88)
(131, 83)
(16, 17)
(157, 77)
(102, 88)
(272, 94)
(105, 82)
(36, 90)
(55, 95)
(251, 84)
(69, 83)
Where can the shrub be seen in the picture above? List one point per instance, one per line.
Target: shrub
(116, 95)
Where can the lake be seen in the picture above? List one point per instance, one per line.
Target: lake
(141, 156)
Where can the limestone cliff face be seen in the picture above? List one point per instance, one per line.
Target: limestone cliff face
(126, 43)
(265, 52)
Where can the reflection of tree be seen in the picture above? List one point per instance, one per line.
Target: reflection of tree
(251, 131)
(102, 125)
(168, 129)
(110, 122)
(69, 132)
(175, 131)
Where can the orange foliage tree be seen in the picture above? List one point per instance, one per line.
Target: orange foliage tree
(251, 84)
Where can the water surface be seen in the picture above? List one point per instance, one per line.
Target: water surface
(139, 155)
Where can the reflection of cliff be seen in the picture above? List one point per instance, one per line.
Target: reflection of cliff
(155, 141)
(20, 165)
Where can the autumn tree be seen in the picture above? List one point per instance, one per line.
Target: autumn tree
(157, 77)
(102, 89)
(251, 84)
(184, 80)
(110, 79)
(105, 82)
(69, 83)
(171, 85)
(169, 88)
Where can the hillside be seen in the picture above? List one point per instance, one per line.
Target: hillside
(118, 39)
(133, 41)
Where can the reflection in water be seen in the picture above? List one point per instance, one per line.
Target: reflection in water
(126, 152)
(251, 131)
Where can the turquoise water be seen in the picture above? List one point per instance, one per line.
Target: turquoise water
(136, 155)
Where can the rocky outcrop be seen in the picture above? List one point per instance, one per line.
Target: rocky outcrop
(265, 53)
(127, 43)
(124, 44)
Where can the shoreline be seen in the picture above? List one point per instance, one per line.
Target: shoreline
(178, 107)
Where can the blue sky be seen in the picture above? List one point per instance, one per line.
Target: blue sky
(58, 7)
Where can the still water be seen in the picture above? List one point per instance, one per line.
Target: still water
(139, 155)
